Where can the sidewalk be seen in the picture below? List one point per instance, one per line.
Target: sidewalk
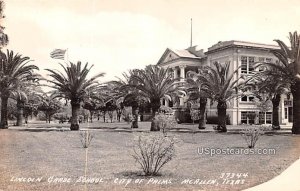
(288, 180)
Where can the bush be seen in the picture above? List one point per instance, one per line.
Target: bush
(165, 109)
(41, 116)
(152, 152)
(251, 135)
(214, 119)
(194, 115)
(127, 116)
(61, 117)
(86, 138)
(183, 115)
(165, 122)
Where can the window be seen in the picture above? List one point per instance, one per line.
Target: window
(261, 117)
(248, 117)
(247, 64)
(244, 65)
(244, 117)
(248, 98)
(251, 98)
(244, 98)
(261, 59)
(265, 117)
(251, 65)
(262, 68)
(269, 117)
(268, 60)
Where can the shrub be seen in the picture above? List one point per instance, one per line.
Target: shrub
(183, 115)
(194, 115)
(41, 116)
(127, 116)
(61, 117)
(214, 119)
(165, 122)
(86, 138)
(165, 109)
(251, 135)
(153, 151)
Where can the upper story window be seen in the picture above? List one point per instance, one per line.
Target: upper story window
(248, 97)
(261, 59)
(247, 64)
(269, 60)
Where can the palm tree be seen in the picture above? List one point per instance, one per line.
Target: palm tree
(3, 36)
(154, 83)
(219, 83)
(14, 71)
(289, 65)
(27, 90)
(195, 90)
(74, 86)
(49, 105)
(126, 93)
(265, 85)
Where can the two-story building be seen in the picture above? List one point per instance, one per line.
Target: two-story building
(240, 55)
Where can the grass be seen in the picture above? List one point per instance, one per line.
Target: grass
(43, 153)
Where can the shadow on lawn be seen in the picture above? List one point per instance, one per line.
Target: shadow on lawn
(42, 130)
(139, 174)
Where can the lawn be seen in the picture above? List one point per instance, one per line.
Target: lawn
(44, 154)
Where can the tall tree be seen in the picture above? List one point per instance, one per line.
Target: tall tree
(3, 36)
(195, 89)
(154, 83)
(289, 65)
(49, 105)
(27, 90)
(14, 71)
(73, 85)
(127, 94)
(265, 86)
(220, 84)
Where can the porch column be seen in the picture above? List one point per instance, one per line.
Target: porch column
(175, 73)
(181, 102)
(166, 102)
(182, 73)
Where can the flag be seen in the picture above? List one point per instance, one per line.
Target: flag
(58, 54)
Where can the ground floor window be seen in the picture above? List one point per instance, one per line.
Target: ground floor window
(265, 117)
(248, 117)
(288, 114)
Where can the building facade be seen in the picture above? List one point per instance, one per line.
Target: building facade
(241, 56)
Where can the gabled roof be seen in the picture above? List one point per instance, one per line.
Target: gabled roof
(185, 53)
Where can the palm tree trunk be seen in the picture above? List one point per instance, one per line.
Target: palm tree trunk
(296, 107)
(104, 113)
(4, 102)
(202, 118)
(74, 118)
(49, 117)
(20, 108)
(222, 107)
(155, 105)
(135, 115)
(91, 117)
(275, 113)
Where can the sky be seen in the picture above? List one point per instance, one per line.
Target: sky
(118, 35)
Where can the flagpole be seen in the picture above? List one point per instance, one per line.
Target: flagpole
(191, 32)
